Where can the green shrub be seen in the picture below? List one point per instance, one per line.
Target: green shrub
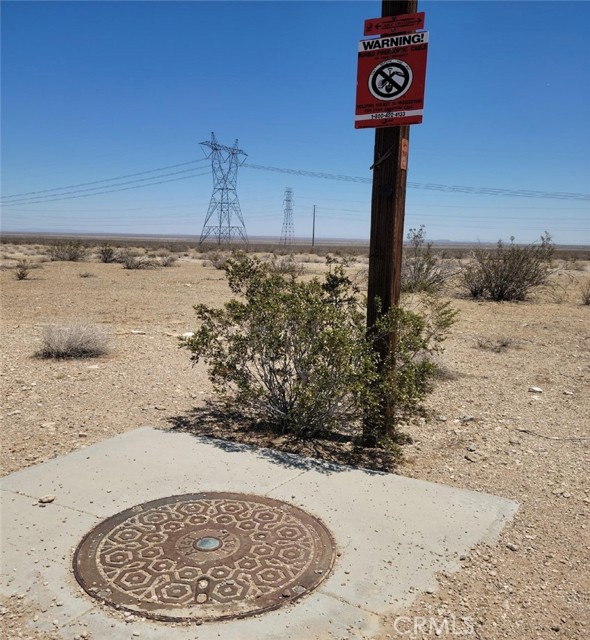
(509, 272)
(67, 250)
(297, 354)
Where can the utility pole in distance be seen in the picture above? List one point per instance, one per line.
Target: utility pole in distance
(313, 228)
(388, 203)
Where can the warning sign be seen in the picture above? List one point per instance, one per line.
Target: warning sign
(390, 80)
(394, 24)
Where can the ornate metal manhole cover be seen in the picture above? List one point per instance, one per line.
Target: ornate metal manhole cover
(204, 556)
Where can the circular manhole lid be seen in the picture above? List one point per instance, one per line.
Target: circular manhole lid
(204, 556)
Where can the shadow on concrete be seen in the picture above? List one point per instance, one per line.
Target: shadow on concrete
(236, 432)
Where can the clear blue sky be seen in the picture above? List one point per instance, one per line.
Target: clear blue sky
(96, 90)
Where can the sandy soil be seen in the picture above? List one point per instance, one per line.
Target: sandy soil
(487, 430)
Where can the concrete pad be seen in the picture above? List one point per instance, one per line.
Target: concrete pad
(393, 533)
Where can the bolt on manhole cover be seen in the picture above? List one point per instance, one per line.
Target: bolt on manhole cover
(205, 556)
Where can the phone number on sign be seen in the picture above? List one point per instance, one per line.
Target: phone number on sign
(389, 114)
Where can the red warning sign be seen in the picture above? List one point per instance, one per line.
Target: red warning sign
(394, 24)
(390, 80)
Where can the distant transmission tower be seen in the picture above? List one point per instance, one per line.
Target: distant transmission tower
(224, 203)
(287, 231)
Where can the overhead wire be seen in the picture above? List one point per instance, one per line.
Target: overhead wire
(128, 175)
(522, 193)
(99, 190)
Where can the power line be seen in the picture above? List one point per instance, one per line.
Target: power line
(99, 193)
(495, 191)
(39, 199)
(84, 184)
(65, 195)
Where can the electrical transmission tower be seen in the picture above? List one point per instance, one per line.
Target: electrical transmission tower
(224, 203)
(287, 231)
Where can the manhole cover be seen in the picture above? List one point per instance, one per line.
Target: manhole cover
(205, 556)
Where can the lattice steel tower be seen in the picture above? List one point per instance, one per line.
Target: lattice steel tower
(287, 231)
(224, 203)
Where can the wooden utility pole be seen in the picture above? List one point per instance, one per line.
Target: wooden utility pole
(313, 228)
(388, 203)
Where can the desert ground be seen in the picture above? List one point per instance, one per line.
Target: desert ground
(509, 415)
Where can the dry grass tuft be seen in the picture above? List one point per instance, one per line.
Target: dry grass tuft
(497, 345)
(74, 341)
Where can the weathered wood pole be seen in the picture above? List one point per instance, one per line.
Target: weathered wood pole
(388, 204)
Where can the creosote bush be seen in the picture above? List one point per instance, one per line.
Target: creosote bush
(74, 341)
(298, 357)
(509, 272)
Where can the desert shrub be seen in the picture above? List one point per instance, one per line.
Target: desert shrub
(106, 253)
(22, 269)
(297, 354)
(167, 261)
(87, 274)
(218, 259)
(474, 279)
(286, 265)
(74, 341)
(131, 261)
(585, 293)
(509, 272)
(67, 250)
(497, 345)
(421, 269)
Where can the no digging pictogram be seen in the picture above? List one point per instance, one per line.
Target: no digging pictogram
(390, 80)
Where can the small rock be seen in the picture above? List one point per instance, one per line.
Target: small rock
(535, 390)
(471, 447)
(514, 440)
(568, 393)
(430, 591)
(467, 418)
(472, 457)
(47, 425)
(137, 332)
(93, 366)
(160, 408)
(82, 434)
(188, 334)
(512, 546)
(46, 499)
(14, 413)
(555, 627)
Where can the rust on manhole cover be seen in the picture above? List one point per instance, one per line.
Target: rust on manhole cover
(204, 556)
